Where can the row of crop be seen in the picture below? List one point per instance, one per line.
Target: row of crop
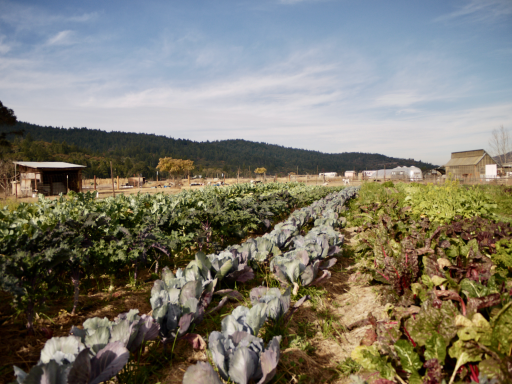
(449, 306)
(45, 246)
(237, 352)
(181, 299)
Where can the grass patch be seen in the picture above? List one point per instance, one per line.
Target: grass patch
(502, 196)
(10, 204)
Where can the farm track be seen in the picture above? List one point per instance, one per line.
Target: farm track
(346, 301)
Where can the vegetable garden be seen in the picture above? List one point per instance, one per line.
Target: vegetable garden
(232, 270)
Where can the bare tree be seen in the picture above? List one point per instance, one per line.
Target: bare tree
(501, 145)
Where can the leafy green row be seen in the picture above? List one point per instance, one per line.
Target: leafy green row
(180, 299)
(47, 244)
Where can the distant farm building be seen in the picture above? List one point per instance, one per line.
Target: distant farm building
(367, 174)
(351, 174)
(506, 169)
(135, 181)
(469, 163)
(329, 174)
(398, 173)
(407, 173)
(48, 177)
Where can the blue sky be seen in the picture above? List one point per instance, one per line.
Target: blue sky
(412, 79)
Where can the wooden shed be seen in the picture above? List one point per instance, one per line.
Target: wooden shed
(48, 177)
(469, 163)
(136, 180)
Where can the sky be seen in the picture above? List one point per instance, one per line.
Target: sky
(409, 79)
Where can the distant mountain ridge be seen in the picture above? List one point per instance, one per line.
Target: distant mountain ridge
(139, 153)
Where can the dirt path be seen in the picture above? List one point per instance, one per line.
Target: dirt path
(345, 301)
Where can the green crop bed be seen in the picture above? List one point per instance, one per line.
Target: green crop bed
(444, 255)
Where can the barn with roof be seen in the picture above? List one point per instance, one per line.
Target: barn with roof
(469, 163)
(47, 177)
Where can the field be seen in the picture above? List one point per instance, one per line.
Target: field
(276, 282)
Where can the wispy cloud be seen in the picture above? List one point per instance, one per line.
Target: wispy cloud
(25, 17)
(61, 38)
(83, 18)
(479, 11)
(4, 48)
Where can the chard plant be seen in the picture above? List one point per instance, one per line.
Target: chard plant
(450, 305)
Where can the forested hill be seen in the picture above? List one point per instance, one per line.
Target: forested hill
(134, 153)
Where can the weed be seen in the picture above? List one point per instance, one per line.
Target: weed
(328, 321)
(263, 274)
(304, 379)
(348, 367)
(327, 329)
(143, 367)
(301, 339)
(135, 285)
(315, 293)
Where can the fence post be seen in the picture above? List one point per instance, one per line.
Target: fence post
(94, 182)
(112, 178)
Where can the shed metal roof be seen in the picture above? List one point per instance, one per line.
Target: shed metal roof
(48, 164)
(474, 160)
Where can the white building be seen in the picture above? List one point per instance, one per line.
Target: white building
(329, 174)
